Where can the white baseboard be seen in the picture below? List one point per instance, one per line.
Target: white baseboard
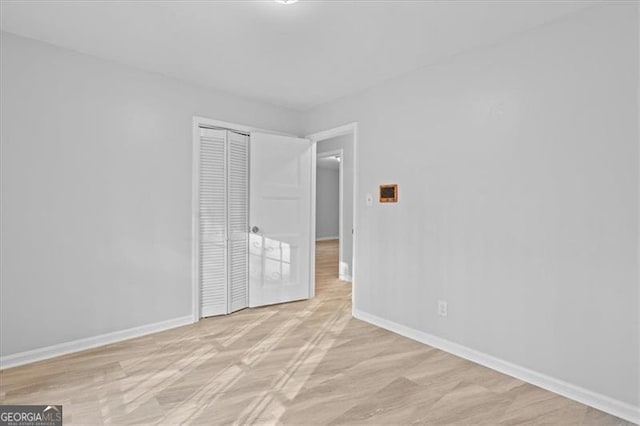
(40, 354)
(344, 273)
(327, 238)
(601, 402)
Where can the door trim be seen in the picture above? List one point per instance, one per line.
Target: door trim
(346, 129)
(195, 197)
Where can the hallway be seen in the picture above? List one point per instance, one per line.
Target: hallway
(297, 363)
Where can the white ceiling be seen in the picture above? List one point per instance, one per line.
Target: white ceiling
(328, 162)
(297, 56)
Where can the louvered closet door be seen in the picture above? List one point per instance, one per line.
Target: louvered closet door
(212, 223)
(238, 220)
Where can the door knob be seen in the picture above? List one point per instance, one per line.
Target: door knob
(255, 229)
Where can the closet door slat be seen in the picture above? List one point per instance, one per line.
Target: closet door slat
(213, 271)
(238, 220)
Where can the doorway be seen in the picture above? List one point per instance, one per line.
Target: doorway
(335, 187)
(329, 211)
(329, 201)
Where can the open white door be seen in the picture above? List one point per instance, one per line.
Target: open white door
(280, 218)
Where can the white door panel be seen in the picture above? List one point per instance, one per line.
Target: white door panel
(280, 208)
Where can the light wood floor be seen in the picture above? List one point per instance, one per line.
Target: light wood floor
(298, 363)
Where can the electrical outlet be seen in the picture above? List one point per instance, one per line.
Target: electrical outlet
(442, 308)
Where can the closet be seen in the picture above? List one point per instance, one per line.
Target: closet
(223, 220)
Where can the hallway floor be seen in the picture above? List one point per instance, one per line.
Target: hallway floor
(298, 363)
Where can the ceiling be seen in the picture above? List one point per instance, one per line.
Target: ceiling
(328, 162)
(297, 56)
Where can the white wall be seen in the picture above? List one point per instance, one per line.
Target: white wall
(345, 143)
(327, 202)
(518, 170)
(96, 192)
